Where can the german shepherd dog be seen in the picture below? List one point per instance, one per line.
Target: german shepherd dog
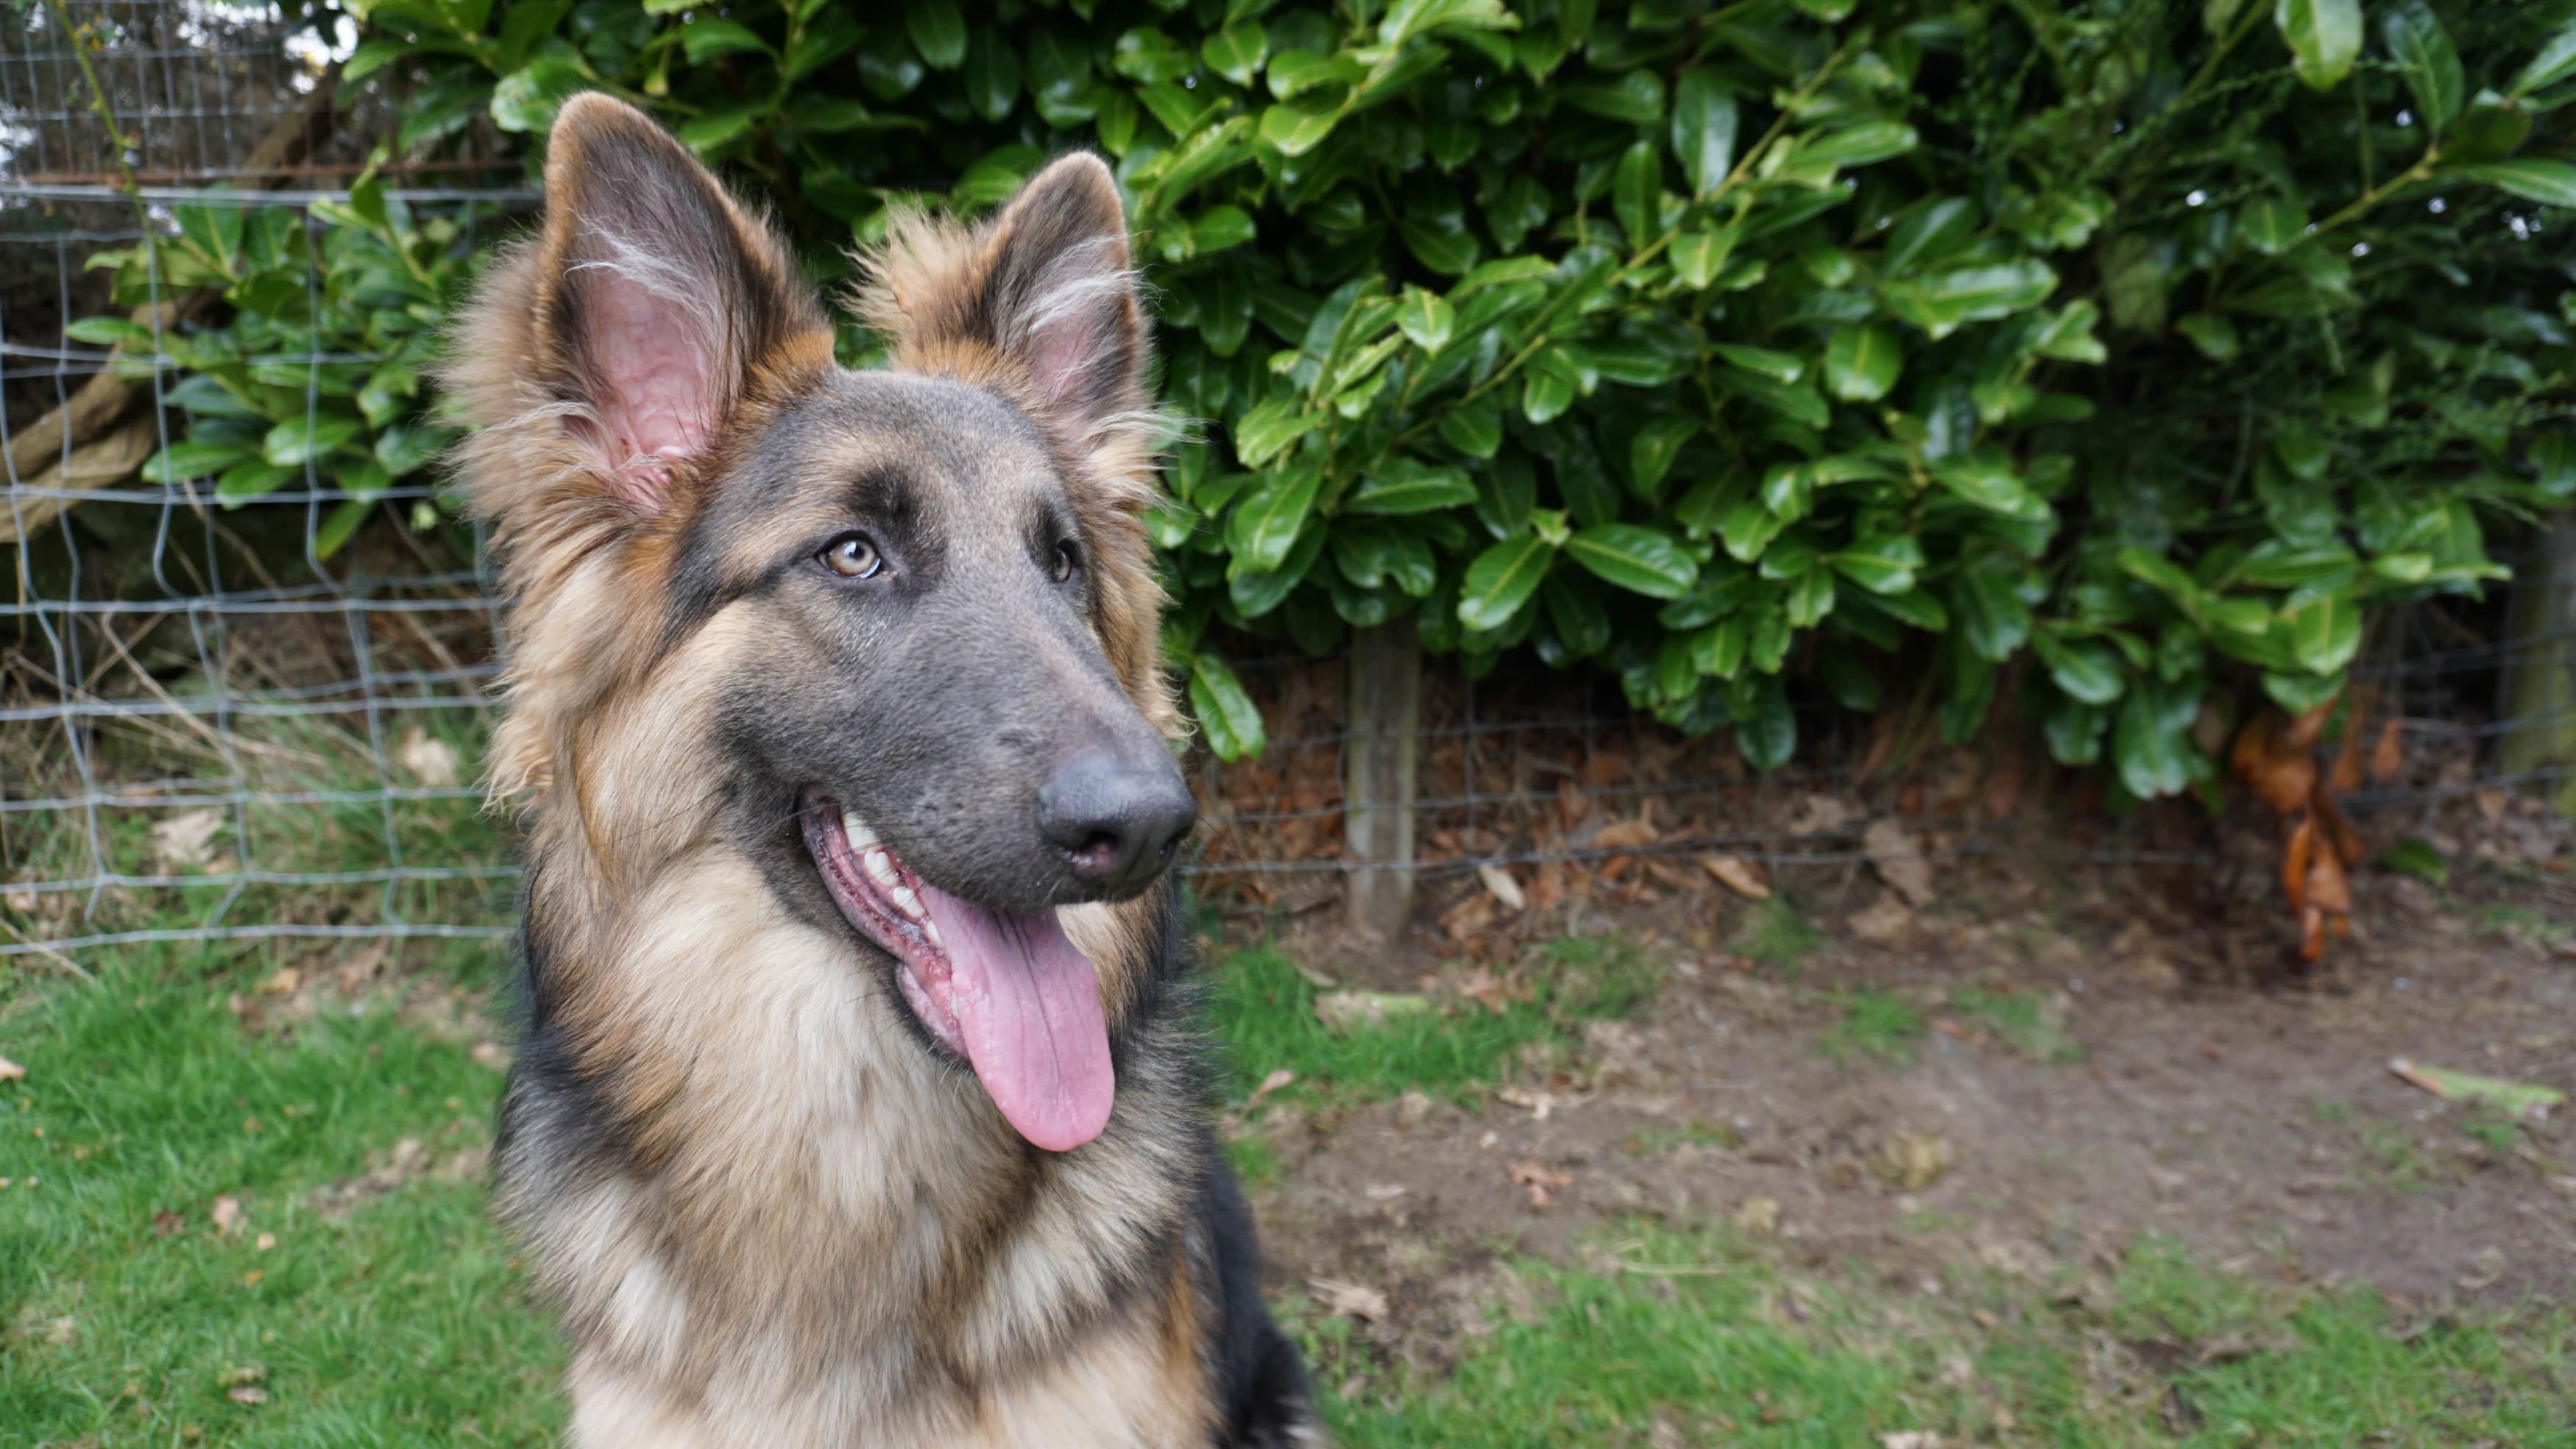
(859, 1102)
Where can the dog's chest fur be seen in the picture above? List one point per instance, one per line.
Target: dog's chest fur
(761, 1206)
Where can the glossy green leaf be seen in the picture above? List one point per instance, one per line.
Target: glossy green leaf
(1410, 488)
(2325, 632)
(2552, 183)
(1887, 564)
(1237, 51)
(1263, 433)
(1501, 580)
(1294, 130)
(1862, 363)
(2555, 62)
(1636, 191)
(2430, 63)
(1704, 122)
(1266, 523)
(938, 31)
(1652, 451)
(1226, 714)
(2324, 38)
(299, 441)
(1640, 560)
(1426, 319)
(2087, 670)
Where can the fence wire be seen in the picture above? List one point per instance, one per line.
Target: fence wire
(216, 727)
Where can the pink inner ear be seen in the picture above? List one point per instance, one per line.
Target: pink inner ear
(1064, 351)
(656, 388)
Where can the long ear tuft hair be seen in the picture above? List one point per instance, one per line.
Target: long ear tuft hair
(1039, 303)
(604, 362)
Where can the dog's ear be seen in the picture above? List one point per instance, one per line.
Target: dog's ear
(657, 303)
(1045, 288)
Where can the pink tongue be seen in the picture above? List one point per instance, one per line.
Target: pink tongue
(1028, 1004)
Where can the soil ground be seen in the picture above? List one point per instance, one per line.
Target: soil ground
(2021, 1077)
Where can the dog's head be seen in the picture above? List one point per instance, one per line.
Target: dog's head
(891, 632)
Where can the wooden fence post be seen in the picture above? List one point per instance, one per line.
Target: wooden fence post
(1384, 710)
(2540, 674)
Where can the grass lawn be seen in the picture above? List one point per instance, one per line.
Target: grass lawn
(210, 1235)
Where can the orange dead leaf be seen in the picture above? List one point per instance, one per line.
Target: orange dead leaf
(1540, 1179)
(2338, 830)
(2329, 889)
(2295, 852)
(2274, 765)
(2345, 777)
(2389, 755)
(1738, 875)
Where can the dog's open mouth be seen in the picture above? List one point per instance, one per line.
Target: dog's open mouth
(1005, 990)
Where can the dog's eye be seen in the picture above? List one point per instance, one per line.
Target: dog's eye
(1066, 560)
(853, 556)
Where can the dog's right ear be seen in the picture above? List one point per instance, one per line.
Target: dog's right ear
(650, 312)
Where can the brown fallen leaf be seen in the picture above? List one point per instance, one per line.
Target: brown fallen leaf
(166, 1222)
(1898, 860)
(250, 1394)
(10, 1071)
(1541, 1180)
(2388, 756)
(2274, 765)
(264, 1242)
(227, 1214)
(1760, 1215)
(1738, 875)
(1504, 888)
(1885, 921)
(286, 979)
(1278, 1078)
(1626, 834)
(1350, 1300)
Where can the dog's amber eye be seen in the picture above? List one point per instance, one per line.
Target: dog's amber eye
(853, 556)
(1064, 563)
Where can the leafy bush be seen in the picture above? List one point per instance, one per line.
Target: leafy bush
(316, 374)
(2102, 350)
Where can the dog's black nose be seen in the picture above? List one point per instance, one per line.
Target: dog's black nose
(1117, 820)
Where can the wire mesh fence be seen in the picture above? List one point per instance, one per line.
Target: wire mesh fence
(233, 712)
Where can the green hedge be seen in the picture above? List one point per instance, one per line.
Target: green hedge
(2117, 352)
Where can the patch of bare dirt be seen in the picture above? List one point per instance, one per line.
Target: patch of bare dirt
(2211, 1093)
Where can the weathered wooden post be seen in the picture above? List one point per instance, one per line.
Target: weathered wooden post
(1384, 713)
(2540, 677)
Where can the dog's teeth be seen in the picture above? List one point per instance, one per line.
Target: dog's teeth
(930, 932)
(861, 837)
(905, 901)
(880, 868)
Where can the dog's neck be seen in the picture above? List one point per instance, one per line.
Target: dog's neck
(790, 1158)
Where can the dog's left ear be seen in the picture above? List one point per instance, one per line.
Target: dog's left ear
(1046, 288)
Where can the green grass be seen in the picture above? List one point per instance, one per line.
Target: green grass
(1700, 1340)
(2022, 1020)
(1874, 1025)
(1776, 934)
(404, 1322)
(1264, 1013)
(144, 1098)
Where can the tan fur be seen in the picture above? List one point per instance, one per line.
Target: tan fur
(754, 1277)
